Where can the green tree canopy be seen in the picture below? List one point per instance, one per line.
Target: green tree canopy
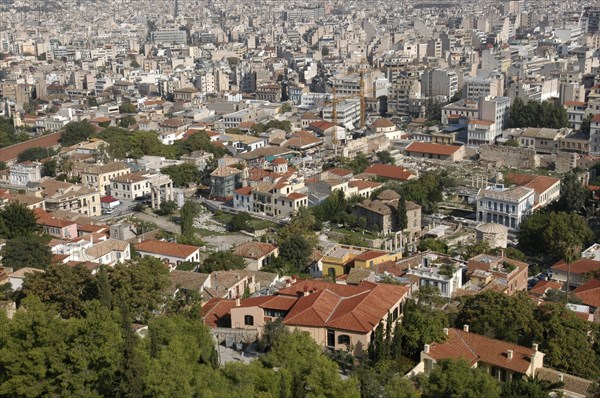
(296, 251)
(183, 175)
(222, 261)
(27, 251)
(35, 154)
(536, 114)
(127, 107)
(385, 157)
(552, 234)
(450, 379)
(76, 132)
(17, 220)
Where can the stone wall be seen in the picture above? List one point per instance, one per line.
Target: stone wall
(522, 158)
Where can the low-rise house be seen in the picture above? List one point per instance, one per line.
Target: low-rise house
(142, 184)
(338, 317)
(575, 273)
(16, 278)
(511, 274)
(60, 195)
(231, 284)
(363, 188)
(169, 252)
(543, 140)
(589, 294)
(256, 254)
(188, 281)
(440, 272)
(57, 227)
(428, 150)
(503, 361)
(24, 173)
(109, 252)
(242, 199)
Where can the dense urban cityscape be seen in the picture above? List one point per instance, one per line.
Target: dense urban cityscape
(300, 199)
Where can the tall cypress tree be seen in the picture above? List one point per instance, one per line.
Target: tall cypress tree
(402, 219)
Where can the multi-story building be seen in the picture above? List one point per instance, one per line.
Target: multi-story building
(26, 172)
(269, 92)
(506, 206)
(510, 274)
(169, 36)
(99, 176)
(475, 88)
(576, 113)
(224, 181)
(142, 184)
(595, 135)
(347, 112)
(439, 82)
(60, 195)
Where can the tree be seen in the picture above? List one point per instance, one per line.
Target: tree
(66, 288)
(127, 107)
(16, 220)
(303, 218)
(385, 157)
(573, 195)
(312, 373)
(222, 261)
(127, 121)
(271, 333)
(76, 132)
(421, 325)
(189, 211)
(167, 207)
(35, 154)
(450, 378)
(529, 387)
(432, 244)
(585, 125)
(26, 251)
(499, 316)
(512, 143)
(49, 168)
(296, 251)
(552, 234)
(138, 284)
(565, 340)
(402, 220)
(183, 174)
(433, 109)
(239, 222)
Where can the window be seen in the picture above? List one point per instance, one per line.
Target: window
(343, 339)
(330, 338)
(248, 320)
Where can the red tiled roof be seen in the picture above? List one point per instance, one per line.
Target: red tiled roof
(596, 118)
(322, 125)
(108, 199)
(254, 250)
(473, 348)
(166, 248)
(340, 172)
(369, 255)
(361, 185)
(282, 303)
(542, 287)
(360, 312)
(10, 153)
(215, 310)
(296, 195)
(389, 171)
(589, 293)
(579, 267)
(436, 149)
(246, 191)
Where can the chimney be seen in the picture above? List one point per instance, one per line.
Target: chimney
(535, 346)
(426, 349)
(306, 293)
(561, 377)
(288, 283)
(237, 301)
(446, 330)
(509, 354)
(466, 328)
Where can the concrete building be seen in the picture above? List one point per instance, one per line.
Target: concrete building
(506, 206)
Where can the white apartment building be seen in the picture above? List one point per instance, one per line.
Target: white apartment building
(506, 206)
(595, 136)
(348, 112)
(436, 82)
(475, 88)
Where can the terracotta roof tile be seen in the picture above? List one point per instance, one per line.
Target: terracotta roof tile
(166, 248)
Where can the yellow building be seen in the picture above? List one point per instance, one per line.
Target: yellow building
(341, 258)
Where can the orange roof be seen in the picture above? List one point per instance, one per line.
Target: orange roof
(10, 153)
(474, 347)
(279, 161)
(436, 149)
(381, 123)
(579, 267)
(246, 191)
(575, 103)
(314, 285)
(596, 118)
(166, 248)
(360, 312)
(389, 171)
(296, 195)
(340, 172)
(215, 310)
(254, 250)
(589, 293)
(370, 255)
(322, 125)
(542, 287)
(282, 303)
